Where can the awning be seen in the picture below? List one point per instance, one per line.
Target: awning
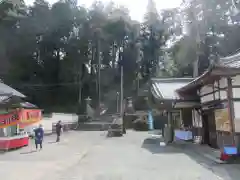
(25, 105)
(28, 105)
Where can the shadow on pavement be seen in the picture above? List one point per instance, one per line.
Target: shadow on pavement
(10, 150)
(52, 142)
(224, 171)
(153, 146)
(29, 152)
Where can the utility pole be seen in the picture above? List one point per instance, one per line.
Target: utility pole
(121, 93)
(117, 102)
(196, 62)
(196, 34)
(99, 70)
(80, 89)
(138, 61)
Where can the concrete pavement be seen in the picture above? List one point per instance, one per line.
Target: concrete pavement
(92, 156)
(27, 164)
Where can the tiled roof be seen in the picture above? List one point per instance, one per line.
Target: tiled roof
(3, 98)
(166, 88)
(5, 89)
(224, 62)
(230, 61)
(195, 82)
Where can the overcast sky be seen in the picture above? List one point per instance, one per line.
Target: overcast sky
(136, 7)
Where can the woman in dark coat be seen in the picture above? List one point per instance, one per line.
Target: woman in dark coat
(39, 132)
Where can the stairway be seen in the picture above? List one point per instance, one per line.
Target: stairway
(98, 124)
(103, 121)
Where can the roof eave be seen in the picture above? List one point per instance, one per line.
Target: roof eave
(195, 83)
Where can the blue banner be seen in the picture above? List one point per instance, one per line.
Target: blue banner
(150, 121)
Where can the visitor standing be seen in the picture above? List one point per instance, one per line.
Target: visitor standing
(124, 123)
(58, 130)
(39, 133)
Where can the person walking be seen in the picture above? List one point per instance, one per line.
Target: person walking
(39, 133)
(124, 123)
(58, 130)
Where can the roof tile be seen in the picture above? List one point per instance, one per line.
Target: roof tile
(166, 88)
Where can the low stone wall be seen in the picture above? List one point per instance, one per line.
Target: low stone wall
(93, 126)
(66, 126)
(68, 120)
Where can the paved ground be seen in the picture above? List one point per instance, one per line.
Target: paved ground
(92, 156)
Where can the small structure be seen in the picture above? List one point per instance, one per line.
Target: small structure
(217, 120)
(13, 117)
(165, 99)
(8, 96)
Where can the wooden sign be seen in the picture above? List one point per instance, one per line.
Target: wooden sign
(222, 119)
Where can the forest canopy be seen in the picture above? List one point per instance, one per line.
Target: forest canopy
(54, 53)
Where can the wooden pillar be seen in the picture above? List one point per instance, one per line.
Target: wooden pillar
(169, 119)
(219, 90)
(200, 129)
(170, 127)
(231, 108)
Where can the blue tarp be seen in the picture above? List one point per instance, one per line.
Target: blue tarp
(183, 135)
(230, 150)
(150, 121)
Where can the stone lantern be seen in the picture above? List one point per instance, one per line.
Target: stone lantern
(129, 107)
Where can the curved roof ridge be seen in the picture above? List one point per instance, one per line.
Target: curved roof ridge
(233, 57)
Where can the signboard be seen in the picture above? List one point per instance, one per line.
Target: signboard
(222, 120)
(9, 119)
(29, 116)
